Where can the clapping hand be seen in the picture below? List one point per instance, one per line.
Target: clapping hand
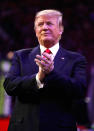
(45, 63)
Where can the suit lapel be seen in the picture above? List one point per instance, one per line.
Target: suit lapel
(32, 56)
(60, 59)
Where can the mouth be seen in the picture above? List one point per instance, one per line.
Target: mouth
(46, 34)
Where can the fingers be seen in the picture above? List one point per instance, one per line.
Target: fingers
(46, 63)
(40, 63)
(41, 58)
(48, 59)
(47, 56)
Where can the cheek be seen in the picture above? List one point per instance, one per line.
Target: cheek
(57, 32)
(37, 32)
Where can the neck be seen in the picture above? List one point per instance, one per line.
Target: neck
(48, 44)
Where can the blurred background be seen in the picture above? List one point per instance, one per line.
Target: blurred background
(17, 32)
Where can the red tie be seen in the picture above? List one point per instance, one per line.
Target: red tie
(48, 51)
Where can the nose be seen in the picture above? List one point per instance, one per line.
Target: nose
(45, 26)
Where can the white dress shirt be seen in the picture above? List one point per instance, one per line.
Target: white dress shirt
(54, 50)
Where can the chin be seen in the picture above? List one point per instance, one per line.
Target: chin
(48, 43)
(47, 40)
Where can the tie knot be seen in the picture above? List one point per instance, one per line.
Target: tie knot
(48, 51)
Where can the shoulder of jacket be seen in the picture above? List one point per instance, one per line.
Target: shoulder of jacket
(73, 54)
(24, 51)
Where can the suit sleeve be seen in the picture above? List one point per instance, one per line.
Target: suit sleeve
(73, 86)
(15, 84)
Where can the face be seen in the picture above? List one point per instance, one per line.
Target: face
(47, 30)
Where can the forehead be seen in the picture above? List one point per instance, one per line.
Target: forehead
(46, 18)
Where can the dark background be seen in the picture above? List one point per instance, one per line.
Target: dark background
(17, 26)
(17, 22)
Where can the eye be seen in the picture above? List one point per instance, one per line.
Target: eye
(49, 23)
(40, 24)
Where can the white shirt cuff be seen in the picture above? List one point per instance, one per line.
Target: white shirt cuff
(39, 84)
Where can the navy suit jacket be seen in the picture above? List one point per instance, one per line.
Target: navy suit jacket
(50, 108)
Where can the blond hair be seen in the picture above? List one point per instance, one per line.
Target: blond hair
(53, 12)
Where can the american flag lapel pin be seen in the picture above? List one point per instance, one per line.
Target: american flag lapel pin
(62, 58)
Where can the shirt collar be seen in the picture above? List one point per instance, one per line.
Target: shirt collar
(54, 49)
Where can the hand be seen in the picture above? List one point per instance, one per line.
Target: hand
(45, 63)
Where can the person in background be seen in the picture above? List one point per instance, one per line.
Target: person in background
(5, 100)
(90, 98)
(46, 80)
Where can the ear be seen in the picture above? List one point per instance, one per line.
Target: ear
(35, 31)
(61, 29)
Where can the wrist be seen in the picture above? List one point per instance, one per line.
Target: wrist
(41, 76)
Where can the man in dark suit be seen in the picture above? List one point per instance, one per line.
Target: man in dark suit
(46, 83)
